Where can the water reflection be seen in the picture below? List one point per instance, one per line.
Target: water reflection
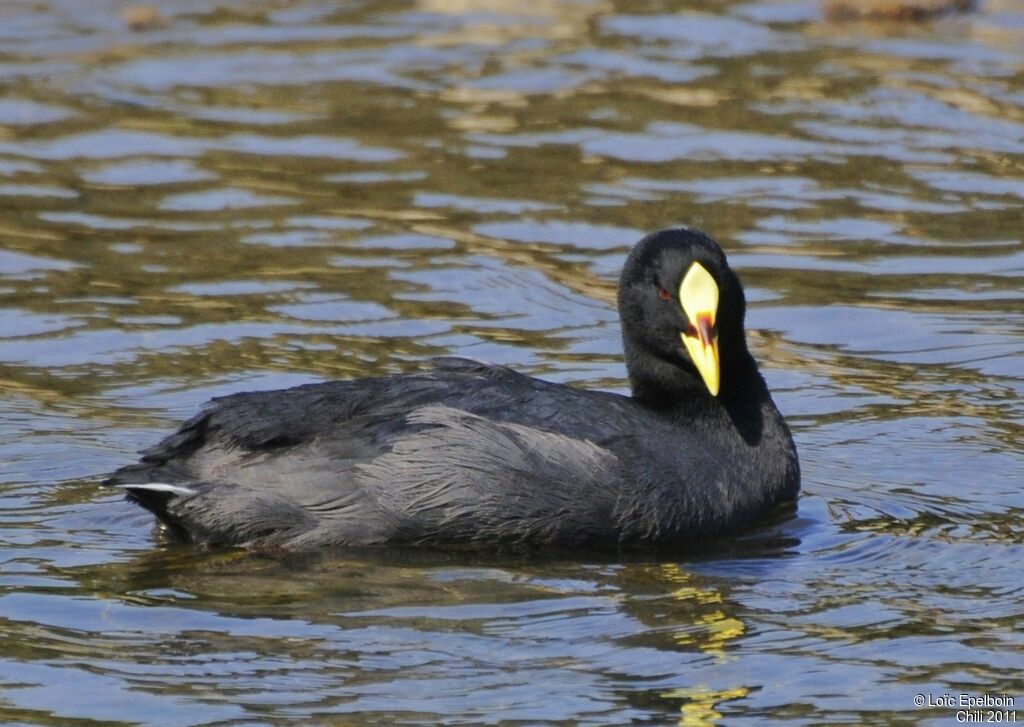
(249, 196)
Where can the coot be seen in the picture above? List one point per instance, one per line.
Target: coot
(476, 455)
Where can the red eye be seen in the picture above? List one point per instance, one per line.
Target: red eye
(664, 294)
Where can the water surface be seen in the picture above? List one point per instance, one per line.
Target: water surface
(255, 195)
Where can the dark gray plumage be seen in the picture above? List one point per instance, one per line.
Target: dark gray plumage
(475, 454)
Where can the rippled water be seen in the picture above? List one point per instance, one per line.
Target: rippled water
(250, 195)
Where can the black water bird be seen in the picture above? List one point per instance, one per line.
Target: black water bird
(476, 455)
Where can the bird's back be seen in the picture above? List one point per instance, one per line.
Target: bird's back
(464, 452)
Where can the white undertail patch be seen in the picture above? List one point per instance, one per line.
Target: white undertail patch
(178, 490)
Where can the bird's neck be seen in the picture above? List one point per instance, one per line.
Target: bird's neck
(673, 389)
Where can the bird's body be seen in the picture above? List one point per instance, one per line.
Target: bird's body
(471, 454)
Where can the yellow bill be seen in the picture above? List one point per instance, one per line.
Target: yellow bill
(698, 294)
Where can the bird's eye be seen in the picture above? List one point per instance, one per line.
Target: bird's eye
(664, 294)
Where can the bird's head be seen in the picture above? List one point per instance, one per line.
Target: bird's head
(682, 309)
